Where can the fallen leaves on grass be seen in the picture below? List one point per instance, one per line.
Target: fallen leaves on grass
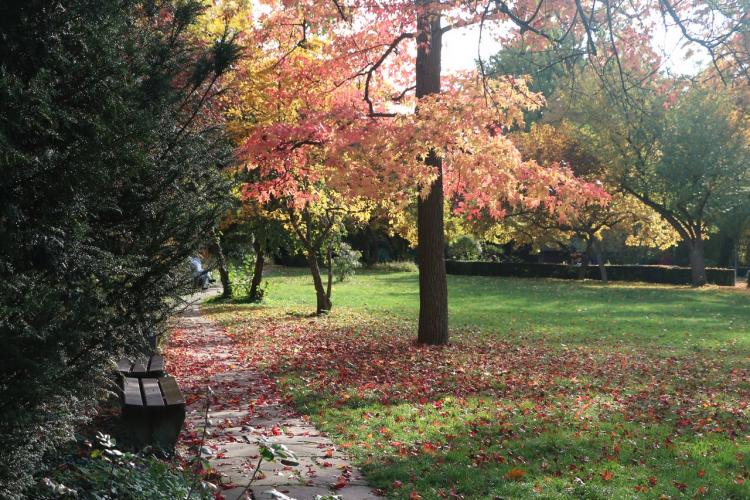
(515, 474)
(348, 362)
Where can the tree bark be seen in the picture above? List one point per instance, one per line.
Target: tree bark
(585, 260)
(329, 262)
(226, 285)
(323, 302)
(727, 251)
(697, 261)
(433, 287)
(260, 260)
(600, 261)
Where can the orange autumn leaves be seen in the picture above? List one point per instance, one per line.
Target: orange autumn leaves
(303, 121)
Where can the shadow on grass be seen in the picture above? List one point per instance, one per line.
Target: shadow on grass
(565, 462)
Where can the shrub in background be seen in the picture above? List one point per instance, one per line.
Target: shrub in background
(346, 261)
(465, 248)
(647, 274)
(396, 266)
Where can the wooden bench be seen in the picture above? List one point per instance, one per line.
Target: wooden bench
(152, 366)
(153, 411)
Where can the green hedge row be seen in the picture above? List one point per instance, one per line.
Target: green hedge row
(648, 274)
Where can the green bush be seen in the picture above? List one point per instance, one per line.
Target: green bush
(109, 184)
(465, 248)
(492, 253)
(346, 261)
(241, 277)
(102, 471)
(396, 266)
(647, 274)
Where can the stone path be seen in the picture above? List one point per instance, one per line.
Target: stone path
(245, 406)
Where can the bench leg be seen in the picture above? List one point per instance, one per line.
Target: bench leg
(137, 424)
(166, 426)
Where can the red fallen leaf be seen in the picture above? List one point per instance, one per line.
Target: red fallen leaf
(429, 448)
(275, 430)
(515, 474)
(739, 480)
(607, 475)
(680, 486)
(415, 496)
(396, 484)
(229, 486)
(219, 496)
(701, 473)
(652, 481)
(329, 453)
(340, 483)
(702, 490)
(327, 464)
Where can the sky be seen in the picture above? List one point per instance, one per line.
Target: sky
(460, 50)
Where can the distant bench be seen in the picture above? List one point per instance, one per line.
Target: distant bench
(152, 366)
(153, 407)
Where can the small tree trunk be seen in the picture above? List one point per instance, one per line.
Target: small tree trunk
(323, 302)
(585, 260)
(433, 285)
(600, 260)
(697, 261)
(366, 250)
(726, 253)
(260, 259)
(329, 263)
(226, 285)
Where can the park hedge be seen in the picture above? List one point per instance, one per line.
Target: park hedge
(649, 274)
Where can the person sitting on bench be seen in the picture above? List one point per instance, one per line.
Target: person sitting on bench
(201, 278)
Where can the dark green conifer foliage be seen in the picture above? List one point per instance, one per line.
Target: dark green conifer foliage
(109, 179)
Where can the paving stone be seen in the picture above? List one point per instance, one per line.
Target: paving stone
(297, 492)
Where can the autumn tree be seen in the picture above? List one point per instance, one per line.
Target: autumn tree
(624, 215)
(679, 148)
(390, 49)
(359, 88)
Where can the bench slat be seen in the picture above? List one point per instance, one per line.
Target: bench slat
(151, 392)
(132, 392)
(140, 366)
(156, 363)
(172, 394)
(124, 365)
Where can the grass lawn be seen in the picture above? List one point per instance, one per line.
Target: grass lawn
(549, 388)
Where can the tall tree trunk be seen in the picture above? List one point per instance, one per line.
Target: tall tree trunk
(260, 260)
(226, 285)
(323, 302)
(697, 261)
(329, 263)
(600, 261)
(433, 286)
